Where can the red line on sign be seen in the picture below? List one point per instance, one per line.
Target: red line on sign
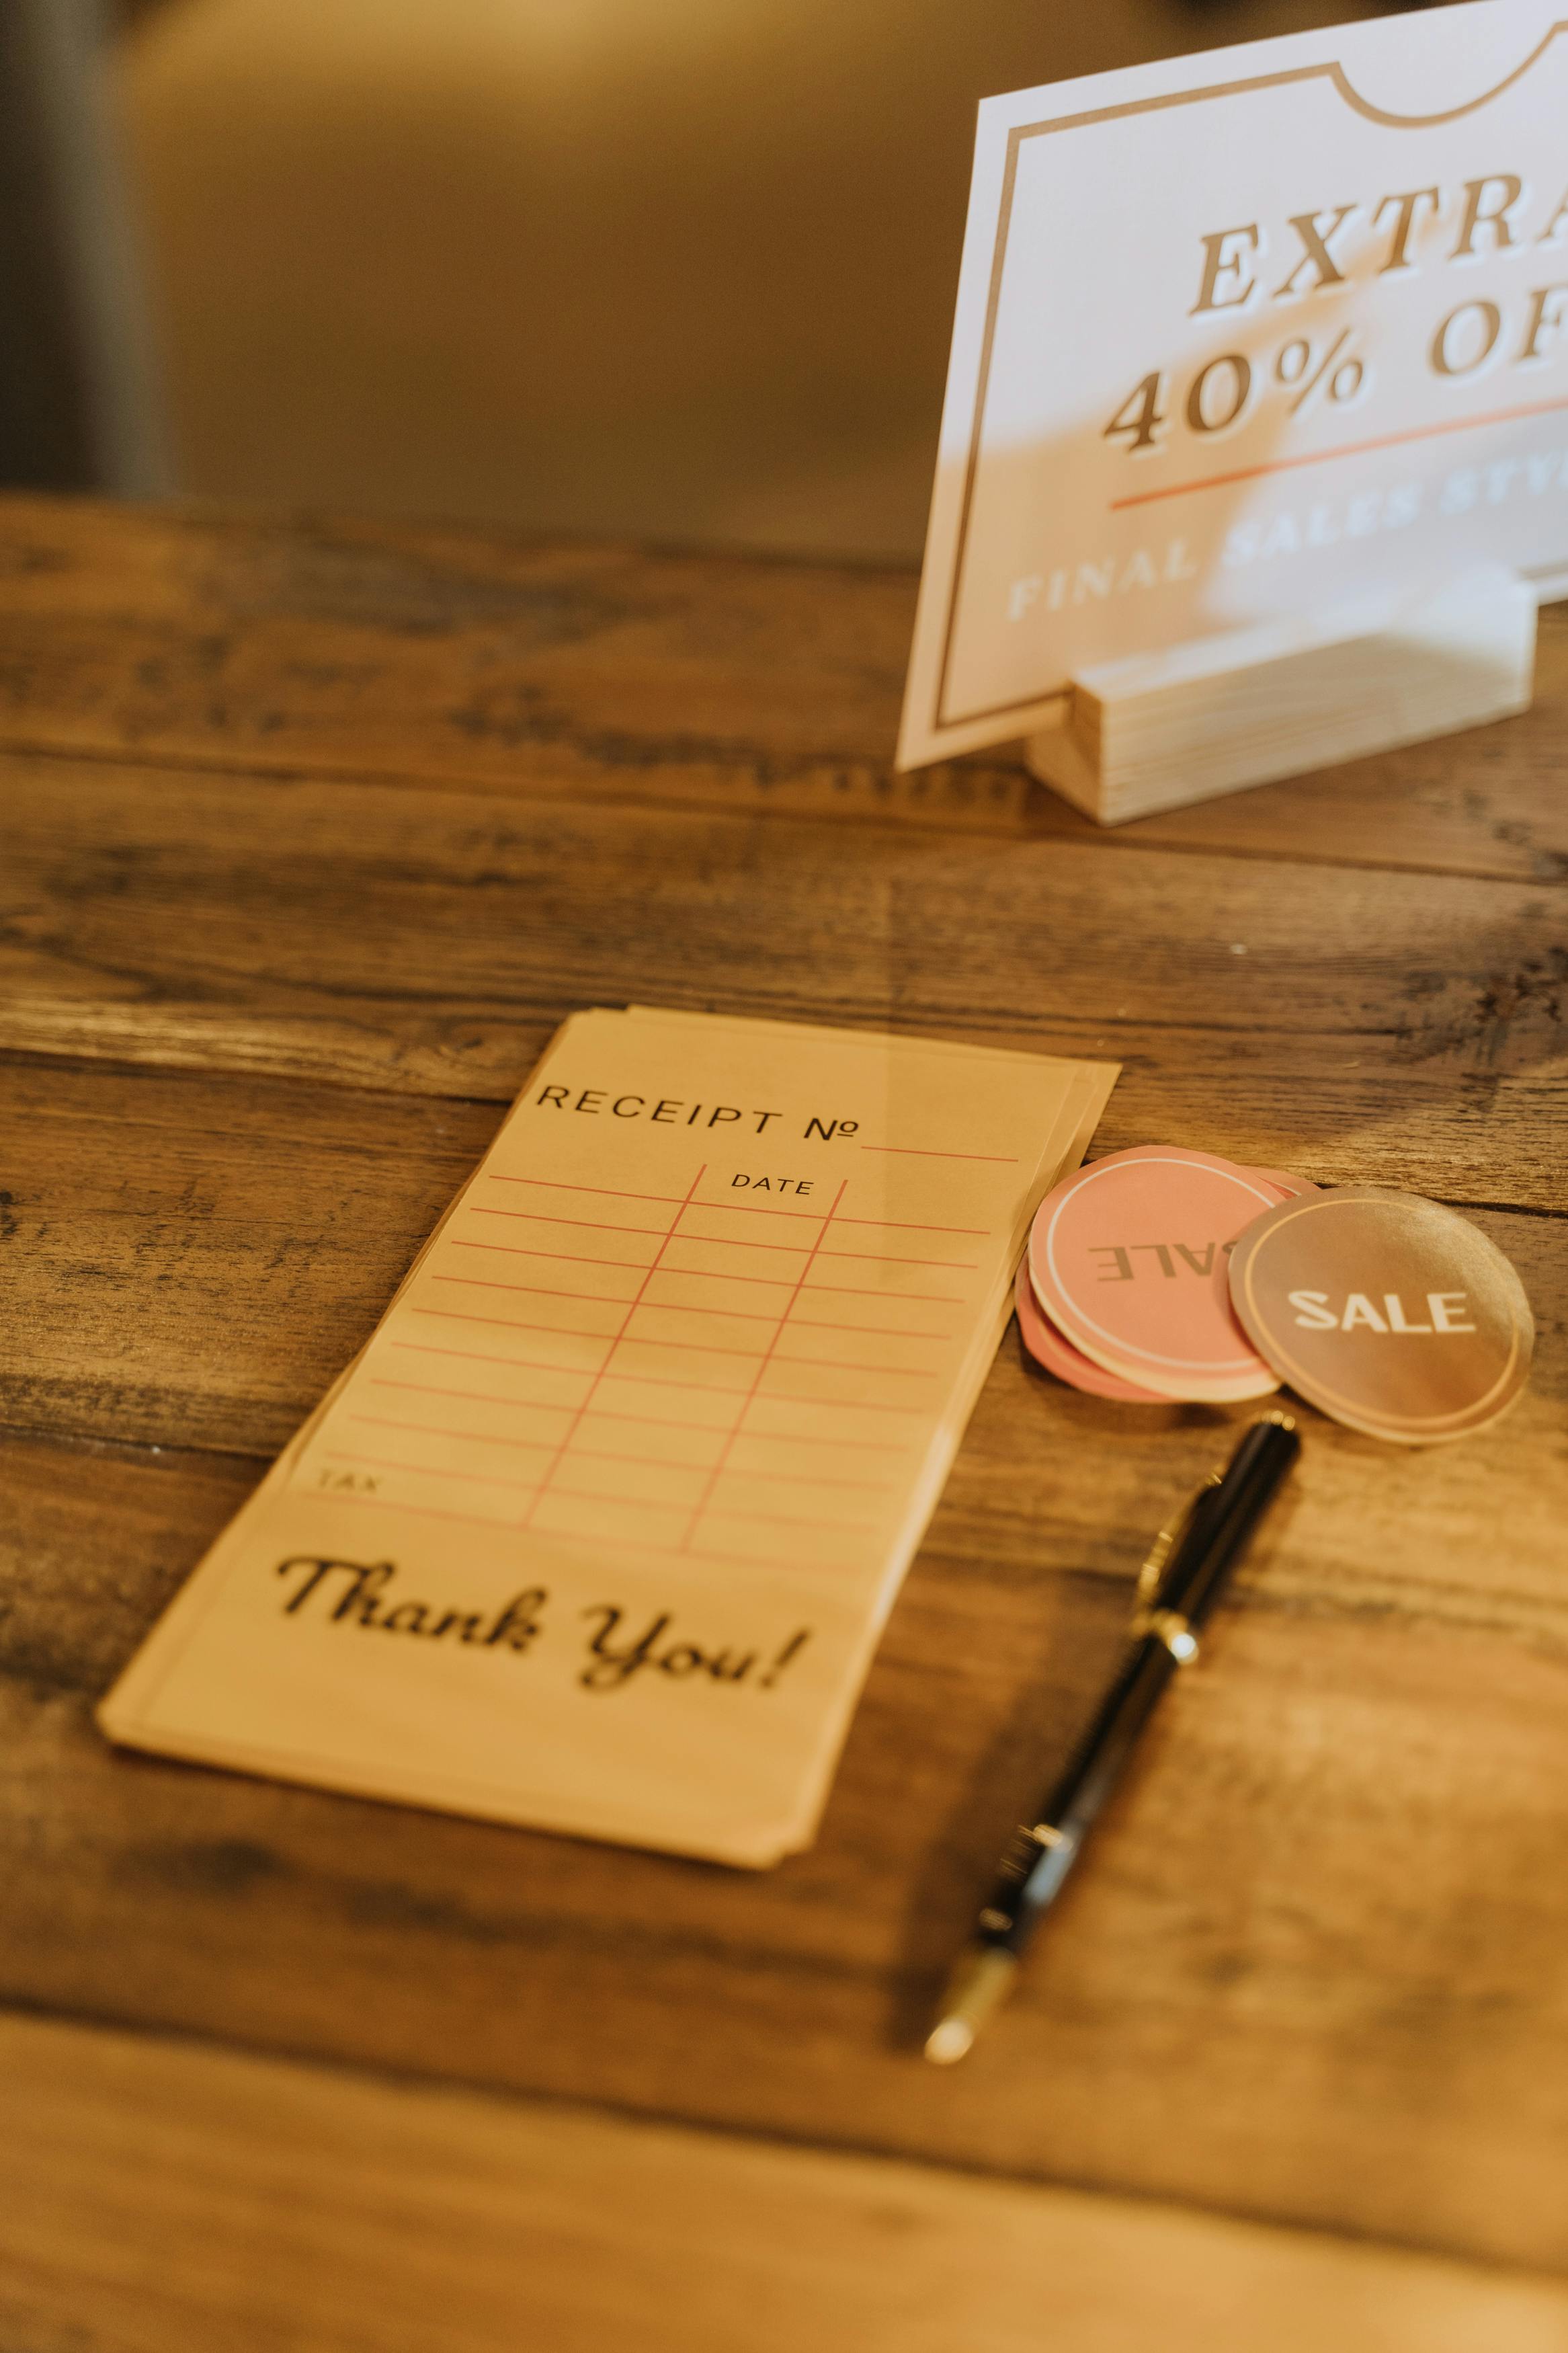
(523, 1363)
(832, 1364)
(1350, 450)
(476, 1356)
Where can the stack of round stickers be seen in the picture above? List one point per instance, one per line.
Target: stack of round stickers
(1162, 1274)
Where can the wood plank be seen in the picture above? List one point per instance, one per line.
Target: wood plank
(193, 1260)
(523, 669)
(1404, 1027)
(160, 2198)
(1325, 1931)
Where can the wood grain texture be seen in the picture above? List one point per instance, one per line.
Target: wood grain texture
(1311, 1975)
(168, 2199)
(524, 669)
(1406, 1027)
(311, 835)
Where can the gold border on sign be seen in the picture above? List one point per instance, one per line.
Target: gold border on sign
(1332, 72)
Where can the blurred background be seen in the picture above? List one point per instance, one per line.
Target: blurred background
(669, 269)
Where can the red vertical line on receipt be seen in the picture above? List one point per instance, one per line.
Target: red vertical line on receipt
(718, 1471)
(617, 1336)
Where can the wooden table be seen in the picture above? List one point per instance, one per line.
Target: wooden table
(308, 835)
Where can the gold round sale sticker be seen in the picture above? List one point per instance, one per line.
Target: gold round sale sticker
(1390, 1313)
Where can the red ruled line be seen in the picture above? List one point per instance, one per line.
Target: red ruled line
(557, 1331)
(614, 1193)
(428, 1471)
(523, 1363)
(694, 1274)
(430, 1512)
(548, 1218)
(871, 1330)
(690, 1347)
(858, 1291)
(542, 1290)
(913, 1151)
(772, 1520)
(564, 1258)
(709, 1241)
(741, 1519)
(886, 1258)
(712, 1349)
(479, 1355)
(800, 1479)
(750, 1437)
(467, 1437)
(731, 1314)
(831, 1405)
(856, 1445)
(489, 1282)
(663, 1421)
(757, 1209)
(609, 1192)
(767, 1478)
(504, 1322)
(915, 1226)
(756, 1379)
(599, 1376)
(480, 1396)
(728, 1558)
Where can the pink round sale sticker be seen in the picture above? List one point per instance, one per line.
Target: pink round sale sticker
(1130, 1260)
(1048, 1347)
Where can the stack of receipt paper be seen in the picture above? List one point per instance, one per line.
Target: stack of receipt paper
(598, 1531)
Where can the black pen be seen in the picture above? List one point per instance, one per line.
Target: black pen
(1181, 1580)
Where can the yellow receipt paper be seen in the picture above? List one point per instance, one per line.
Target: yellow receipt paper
(598, 1530)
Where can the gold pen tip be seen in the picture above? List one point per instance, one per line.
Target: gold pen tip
(949, 2038)
(978, 1983)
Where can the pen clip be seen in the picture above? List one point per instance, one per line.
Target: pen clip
(1152, 1575)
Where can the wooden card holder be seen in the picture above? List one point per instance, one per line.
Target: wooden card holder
(1156, 730)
